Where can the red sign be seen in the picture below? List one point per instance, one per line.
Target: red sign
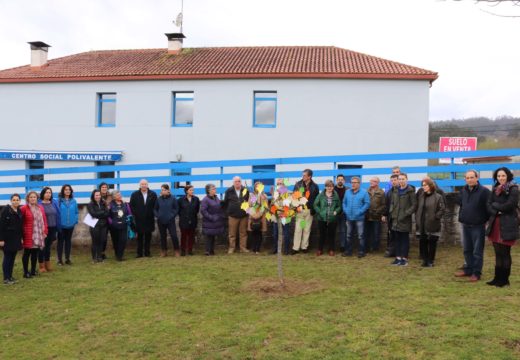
(447, 144)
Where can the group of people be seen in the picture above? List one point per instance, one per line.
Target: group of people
(353, 212)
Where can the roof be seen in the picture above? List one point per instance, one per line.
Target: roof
(217, 63)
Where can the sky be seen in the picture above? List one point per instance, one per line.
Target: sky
(475, 53)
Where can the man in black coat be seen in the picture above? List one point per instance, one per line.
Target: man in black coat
(473, 216)
(142, 203)
(237, 217)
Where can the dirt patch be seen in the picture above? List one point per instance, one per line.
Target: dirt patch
(513, 344)
(271, 288)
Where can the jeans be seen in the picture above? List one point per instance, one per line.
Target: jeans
(256, 237)
(473, 241)
(286, 239)
(373, 235)
(342, 230)
(8, 264)
(359, 225)
(45, 253)
(64, 239)
(402, 244)
(171, 228)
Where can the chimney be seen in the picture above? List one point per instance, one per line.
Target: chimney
(39, 52)
(175, 42)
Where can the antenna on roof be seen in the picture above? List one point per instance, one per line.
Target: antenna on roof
(178, 19)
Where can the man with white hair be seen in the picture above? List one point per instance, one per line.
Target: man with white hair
(142, 204)
(237, 217)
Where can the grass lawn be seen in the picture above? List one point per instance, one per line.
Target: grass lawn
(209, 308)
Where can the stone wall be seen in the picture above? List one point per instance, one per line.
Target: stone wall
(450, 229)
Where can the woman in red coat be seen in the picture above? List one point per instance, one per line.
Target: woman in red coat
(34, 232)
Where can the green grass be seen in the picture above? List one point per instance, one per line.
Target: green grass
(201, 308)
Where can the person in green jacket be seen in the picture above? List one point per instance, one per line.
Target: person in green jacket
(328, 208)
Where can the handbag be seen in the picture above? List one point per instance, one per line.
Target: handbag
(131, 227)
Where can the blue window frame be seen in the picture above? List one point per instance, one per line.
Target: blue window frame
(106, 114)
(33, 165)
(348, 178)
(106, 174)
(265, 106)
(259, 169)
(182, 111)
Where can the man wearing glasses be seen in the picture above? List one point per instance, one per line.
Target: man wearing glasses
(355, 205)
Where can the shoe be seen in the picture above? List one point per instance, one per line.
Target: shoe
(230, 251)
(190, 253)
(294, 252)
(59, 263)
(424, 263)
(396, 262)
(163, 253)
(318, 253)
(244, 250)
(495, 279)
(331, 253)
(177, 253)
(503, 279)
(13, 280)
(212, 253)
(461, 273)
(403, 262)
(183, 252)
(27, 275)
(42, 268)
(305, 251)
(361, 255)
(139, 256)
(274, 252)
(474, 278)
(68, 262)
(148, 255)
(8, 282)
(48, 266)
(345, 254)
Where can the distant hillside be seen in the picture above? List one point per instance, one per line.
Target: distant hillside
(502, 132)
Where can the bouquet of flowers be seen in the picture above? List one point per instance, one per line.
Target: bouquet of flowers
(285, 204)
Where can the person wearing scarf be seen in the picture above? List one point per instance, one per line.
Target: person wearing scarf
(502, 228)
(34, 232)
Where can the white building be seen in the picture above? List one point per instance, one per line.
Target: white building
(191, 104)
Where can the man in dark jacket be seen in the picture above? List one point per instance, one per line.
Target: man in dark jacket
(142, 203)
(473, 216)
(374, 215)
(166, 210)
(310, 191)
(340, 189)
(237, 217)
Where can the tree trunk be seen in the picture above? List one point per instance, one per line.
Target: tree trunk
(279, 253)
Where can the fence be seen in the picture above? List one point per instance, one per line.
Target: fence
(329, 166)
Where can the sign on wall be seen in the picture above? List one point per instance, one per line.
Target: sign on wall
(60, 155)
(447, 144)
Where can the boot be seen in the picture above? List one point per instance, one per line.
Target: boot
(177, 253)
(495, 279)
(504, 277)
(48, 266)
(42, 268)
(163, 253)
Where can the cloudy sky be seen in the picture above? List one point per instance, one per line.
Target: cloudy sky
(475, 53)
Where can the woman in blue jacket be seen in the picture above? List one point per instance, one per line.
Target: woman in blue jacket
(69, 218)
(52, 212)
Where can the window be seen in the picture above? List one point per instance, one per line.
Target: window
(349, 167)
(265, 104)
(259, 169)
(34, 165)
(180, 172)
(106, 174)
(182, 109)
(106, 116)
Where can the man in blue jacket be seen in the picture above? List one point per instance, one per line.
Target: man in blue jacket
(355, 204)
(473, 216)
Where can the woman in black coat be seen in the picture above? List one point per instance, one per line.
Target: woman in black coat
(189, 206)
(503, 223)
(98, 210)
(10, 236)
